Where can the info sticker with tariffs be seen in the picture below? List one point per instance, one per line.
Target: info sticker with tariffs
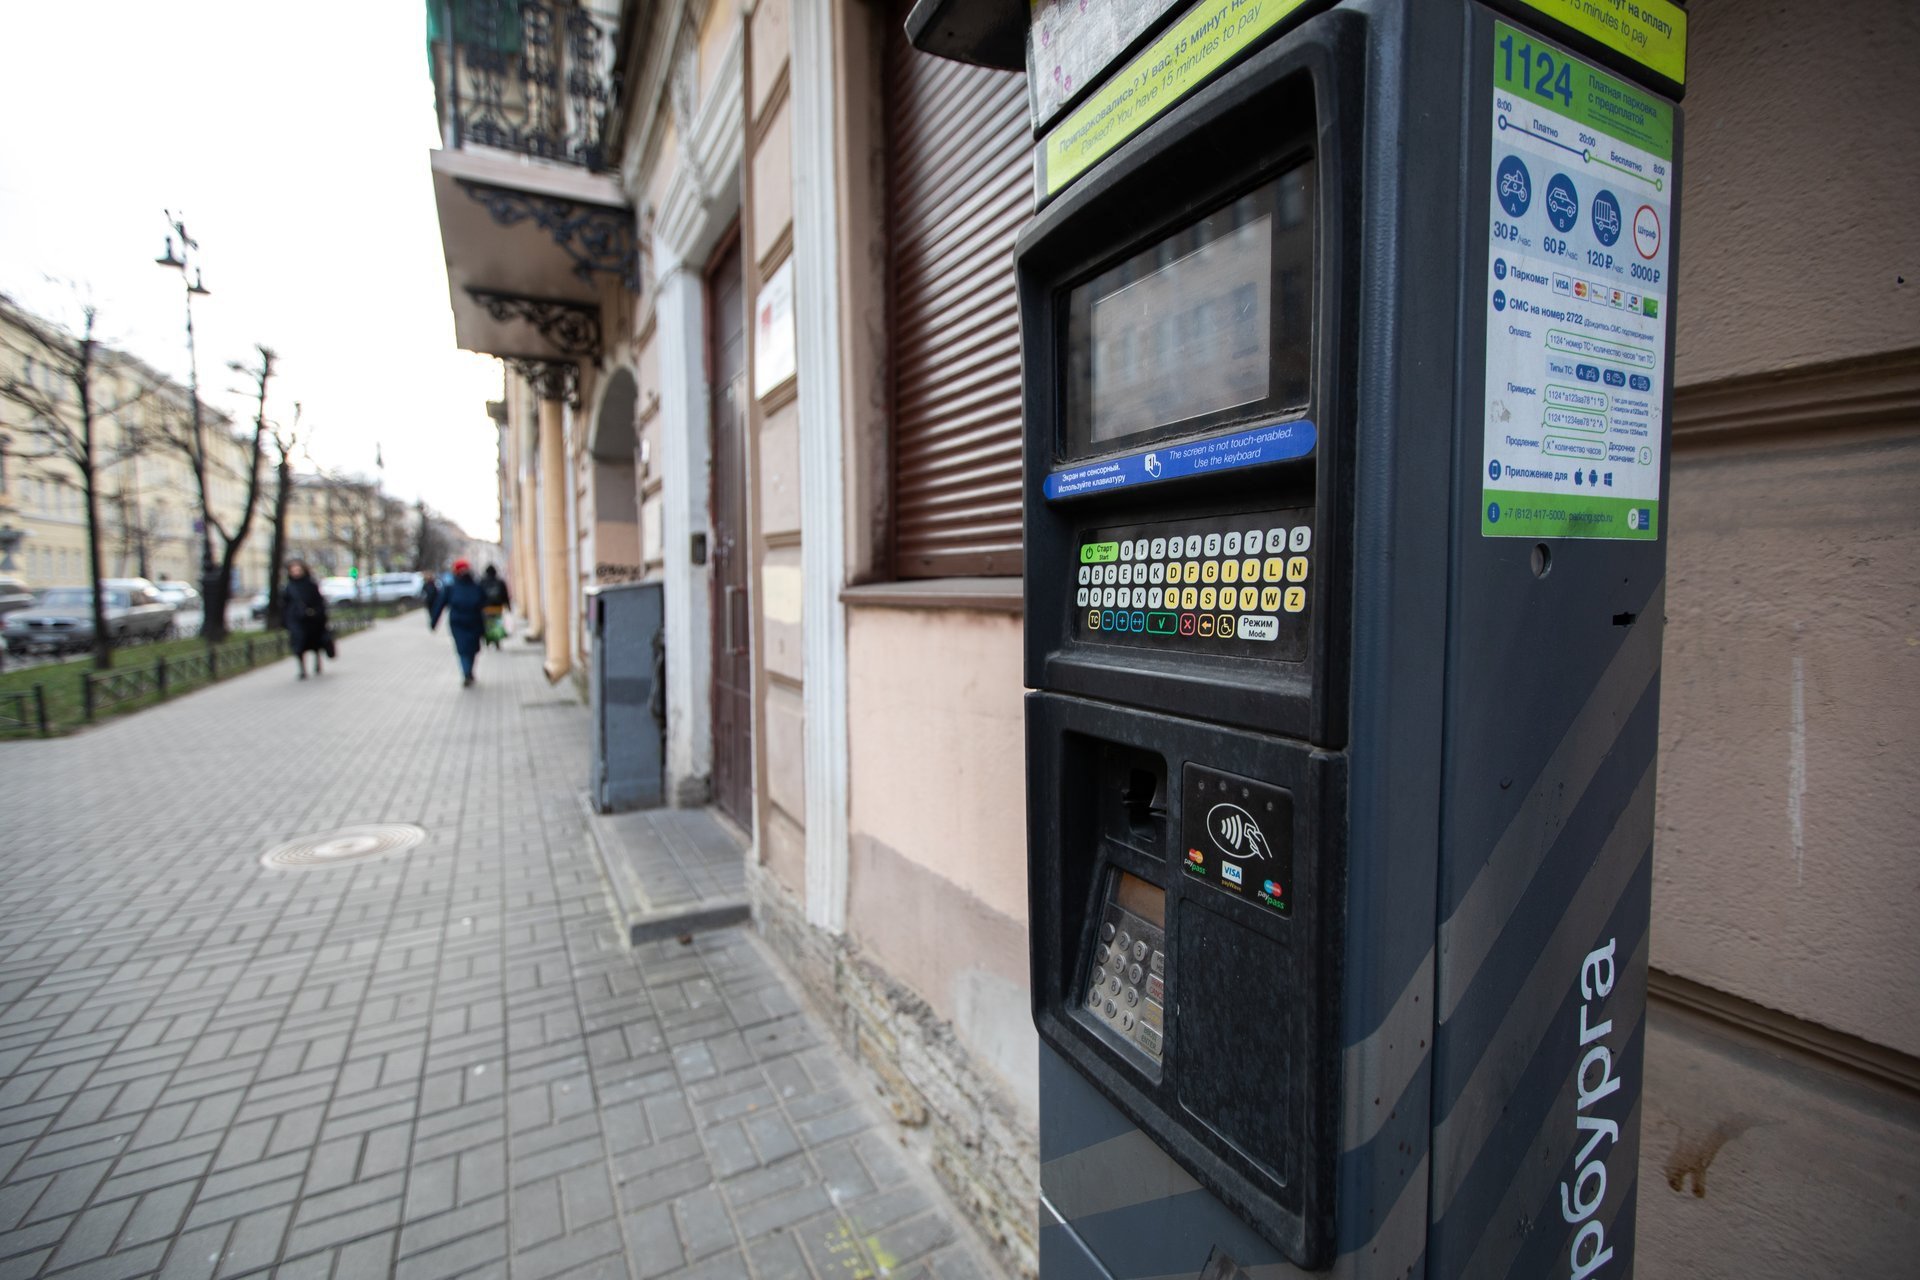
(1578, 277)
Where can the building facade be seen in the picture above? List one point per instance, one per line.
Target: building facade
(149, 502)
(757, 309)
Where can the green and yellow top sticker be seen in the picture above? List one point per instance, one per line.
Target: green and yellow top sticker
(1199, 43)
(1215, 32)
(1651, 32)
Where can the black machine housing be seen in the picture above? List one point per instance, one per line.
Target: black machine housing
(1136, 744)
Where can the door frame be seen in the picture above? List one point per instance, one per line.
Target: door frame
(731, 244)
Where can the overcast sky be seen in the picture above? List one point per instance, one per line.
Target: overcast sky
(293, 139)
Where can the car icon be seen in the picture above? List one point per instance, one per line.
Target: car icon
(1561, 204)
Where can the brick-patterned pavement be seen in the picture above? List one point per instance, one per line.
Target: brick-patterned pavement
(437, 1063)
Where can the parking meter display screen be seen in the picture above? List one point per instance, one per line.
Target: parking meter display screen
(1208, 326)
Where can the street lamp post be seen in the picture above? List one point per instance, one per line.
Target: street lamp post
(194, 288)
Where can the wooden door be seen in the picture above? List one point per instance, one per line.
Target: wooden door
(732, 567)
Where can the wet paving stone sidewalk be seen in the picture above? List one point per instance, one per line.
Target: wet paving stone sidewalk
(434, 1062)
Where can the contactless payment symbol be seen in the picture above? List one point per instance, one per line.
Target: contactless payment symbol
(1563, 203)
(1516, 187)
(1235, 832)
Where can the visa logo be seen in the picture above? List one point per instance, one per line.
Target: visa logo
(1230, 873)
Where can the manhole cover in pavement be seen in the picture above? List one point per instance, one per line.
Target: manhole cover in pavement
(349, 844)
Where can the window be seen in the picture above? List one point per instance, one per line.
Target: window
(960, 185)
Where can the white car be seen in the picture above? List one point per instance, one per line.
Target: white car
(340, 590)
(181, 595)
(403, 588)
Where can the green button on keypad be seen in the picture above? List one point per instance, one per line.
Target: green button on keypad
(1159, 624)
(1099, 553)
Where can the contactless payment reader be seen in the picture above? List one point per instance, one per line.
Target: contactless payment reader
(1346, 336)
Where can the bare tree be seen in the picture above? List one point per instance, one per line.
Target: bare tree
(284, 443)
(140, 526)
(352, 509)
(218, 588)
(434, 542)
(55, 433)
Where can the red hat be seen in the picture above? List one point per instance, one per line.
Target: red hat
(462, 566)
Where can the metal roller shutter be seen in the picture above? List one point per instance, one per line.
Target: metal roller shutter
(960, 184)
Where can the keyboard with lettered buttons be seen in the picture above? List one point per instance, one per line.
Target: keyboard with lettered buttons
(1234, 585)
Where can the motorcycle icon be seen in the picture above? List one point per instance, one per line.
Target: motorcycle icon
(1515, 191)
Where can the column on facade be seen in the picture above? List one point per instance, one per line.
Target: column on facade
(527, 591)
(553, 535)
(685, 463)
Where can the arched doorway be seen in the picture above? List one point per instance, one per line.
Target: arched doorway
(616, 499)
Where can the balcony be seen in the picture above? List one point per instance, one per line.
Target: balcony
(532, 219)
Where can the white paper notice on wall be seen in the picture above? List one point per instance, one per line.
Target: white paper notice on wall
(774, 356)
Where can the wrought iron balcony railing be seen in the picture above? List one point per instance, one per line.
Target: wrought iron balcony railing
(534, 77)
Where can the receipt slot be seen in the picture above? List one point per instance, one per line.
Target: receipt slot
(1345, 338)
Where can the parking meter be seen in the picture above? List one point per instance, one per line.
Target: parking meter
(1346, 335)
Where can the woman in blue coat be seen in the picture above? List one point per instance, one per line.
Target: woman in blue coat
(464, 603)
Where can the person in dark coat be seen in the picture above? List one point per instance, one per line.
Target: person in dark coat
(304, 610)
(430, 595)
(494, 588)
(465, 605)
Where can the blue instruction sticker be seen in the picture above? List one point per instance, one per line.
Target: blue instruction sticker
(1278, 442)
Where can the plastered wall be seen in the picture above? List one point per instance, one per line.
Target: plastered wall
(1800, 187)
(1787, 853)
(938, 876)
(1785, 867)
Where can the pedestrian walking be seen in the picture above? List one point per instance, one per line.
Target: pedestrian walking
(430, 596)
(493, 588)
(464, 603)
(304, 611)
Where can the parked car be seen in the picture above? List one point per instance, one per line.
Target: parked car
(403, 588)
(13, 595)
(63, 618)
(339, 590)
(258, 605)
(178, 594)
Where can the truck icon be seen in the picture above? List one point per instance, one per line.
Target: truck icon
(1606, 220)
